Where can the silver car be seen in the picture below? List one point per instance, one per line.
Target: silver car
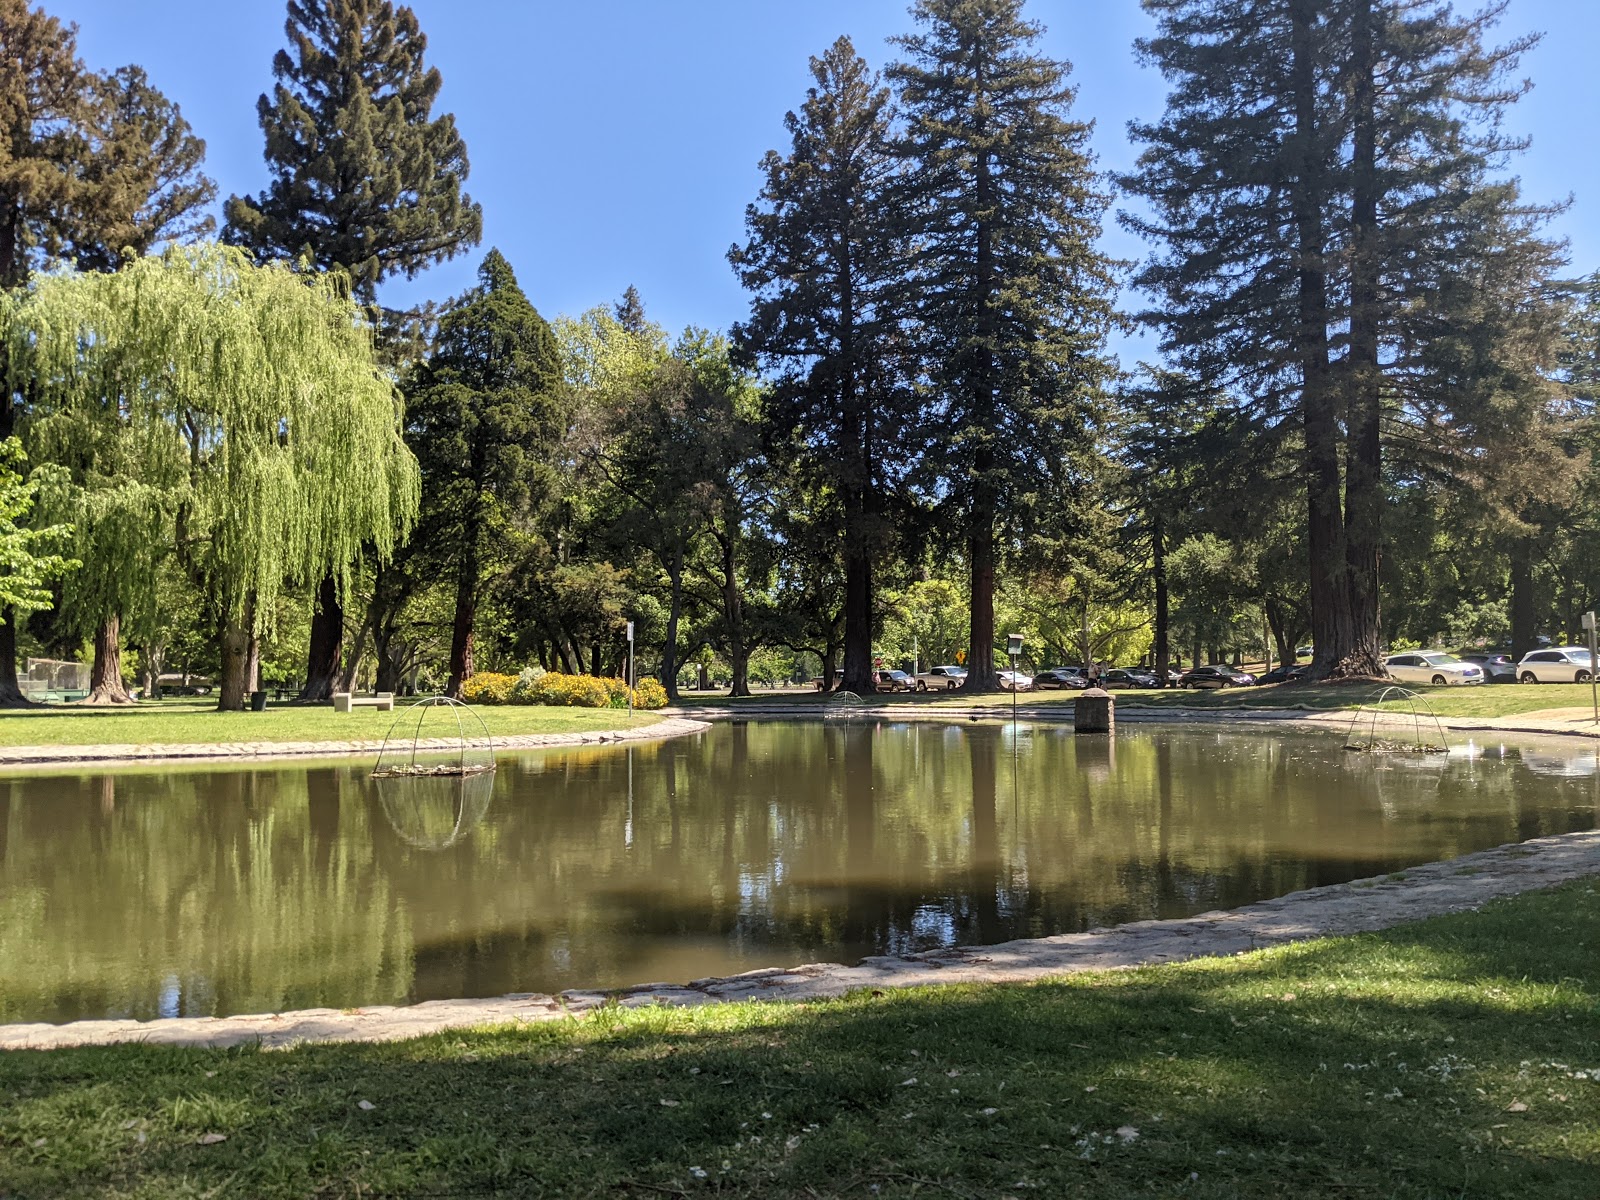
(1432, 666)
(1559, 664)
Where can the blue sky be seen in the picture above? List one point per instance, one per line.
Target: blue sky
(616, 142)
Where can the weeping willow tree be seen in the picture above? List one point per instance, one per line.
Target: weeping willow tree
(229, 413)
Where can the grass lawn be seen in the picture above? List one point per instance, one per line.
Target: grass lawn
(1457, 1057)
(1498, 700)
(197, 722)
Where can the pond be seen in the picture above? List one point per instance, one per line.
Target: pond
(221, 891)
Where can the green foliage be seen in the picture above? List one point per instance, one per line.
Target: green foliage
(29, 558)
(250, 393)
(354, 102)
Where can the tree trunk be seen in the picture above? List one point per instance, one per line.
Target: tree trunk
(327, 637)
(1363, 482)
(1524, 623)
(10, 686)
(981, 675)
(105, 676)
(669, 651)
(1330, 606)
(733, 611)
(235, 664)
(461, 665)
(1158, 554)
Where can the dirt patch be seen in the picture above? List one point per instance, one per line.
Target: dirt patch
(1362, 906)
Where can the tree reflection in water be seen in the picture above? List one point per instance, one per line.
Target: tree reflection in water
(754, 844)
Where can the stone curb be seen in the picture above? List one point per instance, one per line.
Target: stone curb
(28, 756)
(1362, 906)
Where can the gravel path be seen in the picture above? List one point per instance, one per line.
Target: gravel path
(1358, 907)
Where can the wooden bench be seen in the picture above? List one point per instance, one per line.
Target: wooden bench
(345, 701)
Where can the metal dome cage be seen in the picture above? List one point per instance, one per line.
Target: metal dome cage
(1424, 724)
(436, 737)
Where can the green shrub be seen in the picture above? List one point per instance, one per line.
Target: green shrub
(488, 687)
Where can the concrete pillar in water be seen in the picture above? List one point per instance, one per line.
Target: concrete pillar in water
(1094, 712)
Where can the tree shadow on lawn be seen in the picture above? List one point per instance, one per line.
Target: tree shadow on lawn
(1435, 1060)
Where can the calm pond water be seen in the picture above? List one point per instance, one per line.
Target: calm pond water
(228, 890)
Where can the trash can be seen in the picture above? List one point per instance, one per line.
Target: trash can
(258, 702)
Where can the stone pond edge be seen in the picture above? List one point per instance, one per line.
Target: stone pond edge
(1360, 906)
(670, 726)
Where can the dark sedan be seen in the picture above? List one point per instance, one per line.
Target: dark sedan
(1060, 677)
(1497, 668)
(1284, 674)
(1215, 677)
(1123, 677)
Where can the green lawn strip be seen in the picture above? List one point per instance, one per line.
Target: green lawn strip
(1456, 1057)
(1500, 700)
(199, 723)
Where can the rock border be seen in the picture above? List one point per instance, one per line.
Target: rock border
(1361, 906)
(122, 755)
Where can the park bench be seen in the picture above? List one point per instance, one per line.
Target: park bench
(345, 701)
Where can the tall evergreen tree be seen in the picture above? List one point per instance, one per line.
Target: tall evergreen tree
(366, 180)
(484, 417)
(43, 109)
(139, 181)
(1322, 173)
(1012, 298)
(821, 259)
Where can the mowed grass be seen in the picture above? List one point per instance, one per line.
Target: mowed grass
(1484, 700)
(190, 723)
(1457, 1057)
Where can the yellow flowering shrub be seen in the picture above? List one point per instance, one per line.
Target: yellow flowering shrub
(649, 693)
(488, 687)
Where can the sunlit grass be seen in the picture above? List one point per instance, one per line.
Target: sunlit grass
(1456, 1057)
(187, 723)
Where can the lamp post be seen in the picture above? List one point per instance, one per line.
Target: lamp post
(1594, 661)
(1014, 649)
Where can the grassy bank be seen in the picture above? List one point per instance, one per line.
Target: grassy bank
(191, 723)
(1500, 700)
(1458, 1057)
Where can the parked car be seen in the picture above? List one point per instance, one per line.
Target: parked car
(1127, 677)
(1560, 664)
(1497, 668)
(894, 681)
(1432, 666)
(1215, 676)
(940, 679)
(1060, 677)
(1284, 674)
(1016, 681)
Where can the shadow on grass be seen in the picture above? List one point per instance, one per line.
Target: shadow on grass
(1435, 1060)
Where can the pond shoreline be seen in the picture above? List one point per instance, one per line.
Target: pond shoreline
(674, 725)
(1060, 712)
(1360, 906)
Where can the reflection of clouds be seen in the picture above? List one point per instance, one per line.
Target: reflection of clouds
(1562, 766)
(433, 812)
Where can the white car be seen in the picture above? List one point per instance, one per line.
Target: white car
(1432, 666)
(936, 678)
(1559, 664)
(1016, 681)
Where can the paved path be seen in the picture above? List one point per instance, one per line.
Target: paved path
(26, 756)
(1358, 907)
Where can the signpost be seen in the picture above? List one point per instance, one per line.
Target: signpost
(630, 691)
(1594, 661)
(1014, 649)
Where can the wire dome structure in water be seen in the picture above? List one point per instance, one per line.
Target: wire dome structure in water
(843, 706)
(1424, 724)
(437, 737)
